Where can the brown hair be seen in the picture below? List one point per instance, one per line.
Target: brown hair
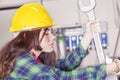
(48, 58)
(23, 43)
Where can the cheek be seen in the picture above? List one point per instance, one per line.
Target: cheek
(44, 42)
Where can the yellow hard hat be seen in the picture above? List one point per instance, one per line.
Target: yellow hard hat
(31, 16)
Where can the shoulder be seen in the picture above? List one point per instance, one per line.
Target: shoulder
(28, 62)
(25, 59)
(27, 67)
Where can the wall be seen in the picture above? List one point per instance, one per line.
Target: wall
(5, 16)
(63, 11)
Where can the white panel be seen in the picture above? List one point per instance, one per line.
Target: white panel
(6, 17)
(63, 11)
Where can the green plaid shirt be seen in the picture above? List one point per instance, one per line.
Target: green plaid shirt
(27, 68)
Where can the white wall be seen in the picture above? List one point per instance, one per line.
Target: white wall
(63, 11)
(5, 21)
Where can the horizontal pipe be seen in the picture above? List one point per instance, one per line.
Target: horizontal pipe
(10, 4)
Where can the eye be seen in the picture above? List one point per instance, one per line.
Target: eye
(50, 31)
(47, 31)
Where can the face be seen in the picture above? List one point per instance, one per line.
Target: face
(47, 42)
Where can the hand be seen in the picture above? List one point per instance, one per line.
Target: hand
(92, 26)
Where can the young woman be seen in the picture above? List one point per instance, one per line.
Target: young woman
(31, 56)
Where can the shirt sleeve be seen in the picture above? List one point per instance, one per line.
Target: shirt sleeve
(28, 69)
(72, 60)
(88, 73)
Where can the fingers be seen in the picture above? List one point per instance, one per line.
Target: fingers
(90, 23)
(95, 26)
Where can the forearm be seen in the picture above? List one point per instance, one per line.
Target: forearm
(72, 60)
(86, 41)
(91, 73)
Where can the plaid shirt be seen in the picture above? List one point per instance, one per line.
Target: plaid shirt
(27, 68)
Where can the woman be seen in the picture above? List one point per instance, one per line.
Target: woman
(30, 55)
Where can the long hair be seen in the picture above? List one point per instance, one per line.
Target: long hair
(23, 43)
(48, 58)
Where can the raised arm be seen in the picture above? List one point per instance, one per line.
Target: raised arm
(72, 60)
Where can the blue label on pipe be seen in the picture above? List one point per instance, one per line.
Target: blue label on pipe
(104, 40)
(74, 41)
(67, 41)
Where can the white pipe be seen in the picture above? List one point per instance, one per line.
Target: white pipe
(14, 3)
